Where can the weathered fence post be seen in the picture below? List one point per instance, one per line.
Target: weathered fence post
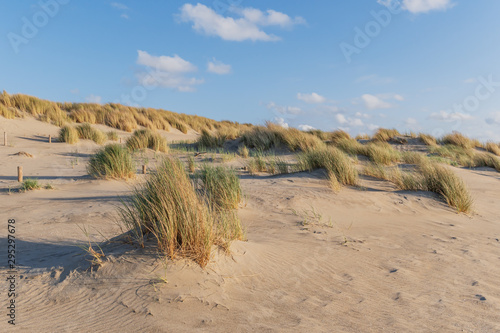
(20, 174)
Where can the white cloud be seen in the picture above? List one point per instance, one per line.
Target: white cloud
(246, 27)
(125, 16)
(218, 67)
(75, 91)
(94, 99)
(373, 102)
(165, 71)
(312, 98)
(418, 6)
(343, 120)
(284, 110)
(281, 122)
(424, 6)
(373, 127)
(119, 5)
(173, 64)
(306, 128)
(450, 116)
(362, 115)
(398, 97)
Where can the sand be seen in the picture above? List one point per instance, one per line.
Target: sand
(376, 260)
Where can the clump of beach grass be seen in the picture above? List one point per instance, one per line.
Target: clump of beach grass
(221, 186)
(68, 134)
(87, 132)
(191, 164)
(493, 148)
(275, 136)
(382, 152)
(441, 180)
(112, 136)
(30, 184)
(427, 139)
(145, 138)
(428, 176)
(211, 140)
(384, 134)
(184, 223)
(112, 161)
(457, 139)
(333, 160)
(243, 151)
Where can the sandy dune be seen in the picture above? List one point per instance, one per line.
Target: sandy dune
(377, 259)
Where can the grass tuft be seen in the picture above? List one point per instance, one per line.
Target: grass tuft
(30, 184)
(112, 135)
(385, 135)
(112, 161)
(87, 132)
(168, 206)
(333, 160)
(221, 186)
(68, 134)
(145, 138)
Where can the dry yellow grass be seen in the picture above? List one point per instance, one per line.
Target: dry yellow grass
(118, 116)
(385, 135)
(457, 139)
(275, 136)
(429, 140)
(184, 222)
(493, 148)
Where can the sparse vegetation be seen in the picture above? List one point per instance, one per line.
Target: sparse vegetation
(428, 176)
(68, 134)
(112, 161)
(30, 184)
(145, 138)
(168, 206)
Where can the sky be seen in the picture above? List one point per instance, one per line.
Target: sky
(428, 66)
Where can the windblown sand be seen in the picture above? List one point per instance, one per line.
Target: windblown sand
(377, 260)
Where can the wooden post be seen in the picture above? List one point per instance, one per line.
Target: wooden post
(20, 174)
(144, 169)
(50, 138)
(5, 139)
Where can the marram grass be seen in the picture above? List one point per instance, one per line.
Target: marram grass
(184, 222)
(112, 161)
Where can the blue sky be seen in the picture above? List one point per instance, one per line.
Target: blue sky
(421, 65)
